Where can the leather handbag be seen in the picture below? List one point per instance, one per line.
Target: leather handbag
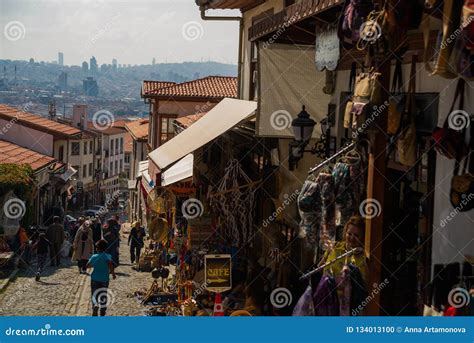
(396, 101)
(462, 188)
(447, 141)
(406, 142)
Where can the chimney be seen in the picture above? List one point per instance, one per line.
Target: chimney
(79, 116)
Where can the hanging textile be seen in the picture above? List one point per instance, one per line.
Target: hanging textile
(325, 297)
(234, 201)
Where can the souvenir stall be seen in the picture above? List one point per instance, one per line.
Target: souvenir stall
(386, 169)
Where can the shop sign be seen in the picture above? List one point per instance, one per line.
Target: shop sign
(218, 272)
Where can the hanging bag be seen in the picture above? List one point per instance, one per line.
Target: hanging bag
(406, 142)
(447, 141)
(462, 187)
(348, 110)
(396, 101)
(462, 57)
(451, 22)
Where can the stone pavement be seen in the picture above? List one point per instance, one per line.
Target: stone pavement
(64, 292)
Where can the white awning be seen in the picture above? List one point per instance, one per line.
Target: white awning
(179, 171)
(223, 117)
(143, 172)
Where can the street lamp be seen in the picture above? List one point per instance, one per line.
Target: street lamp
(303, 126)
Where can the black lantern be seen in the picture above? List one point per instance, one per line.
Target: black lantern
(303, 127)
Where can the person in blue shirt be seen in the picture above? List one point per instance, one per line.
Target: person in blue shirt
(102, 266)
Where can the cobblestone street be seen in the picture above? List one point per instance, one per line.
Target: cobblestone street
(64, 292)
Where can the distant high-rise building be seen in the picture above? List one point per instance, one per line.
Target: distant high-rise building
(90, 87)
(114, 64)
(60, 58)
(93, 65)
(85, 67)
(62, 82)
(153, 62)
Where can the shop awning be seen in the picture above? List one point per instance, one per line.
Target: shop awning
(223, 117)
(145, 177)
(183, 169)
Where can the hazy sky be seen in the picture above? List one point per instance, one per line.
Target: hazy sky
(132, 31)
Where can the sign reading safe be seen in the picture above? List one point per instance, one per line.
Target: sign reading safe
(218, 270)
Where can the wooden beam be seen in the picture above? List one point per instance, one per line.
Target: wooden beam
(376, 187)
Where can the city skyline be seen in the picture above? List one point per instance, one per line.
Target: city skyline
(134, 33)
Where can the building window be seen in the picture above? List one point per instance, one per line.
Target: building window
(84, 171)
(121, 165)
(111, 171)
(112, 147)
(116, 167)
(75, 148)
(127, 158)
(253, 72)
(121, 145)
(85, 148)
(61, 153)
(117, 146)
(91, 147)
(166, 129)
(90, 169)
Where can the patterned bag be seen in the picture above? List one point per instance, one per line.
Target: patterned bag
(462, 188)
(353, 16)
(396, 101)
(462, 57)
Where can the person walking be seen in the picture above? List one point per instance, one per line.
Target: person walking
(135, 241)
(41, 245)
(112, 236)
(55, 235)
(96, 231)
(83, 246)
(102, 265)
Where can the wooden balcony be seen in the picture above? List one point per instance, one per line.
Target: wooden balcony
(294, 14)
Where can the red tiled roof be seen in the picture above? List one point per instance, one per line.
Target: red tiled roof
(128, 142)
(209, 87)
(12, 153)
(150, 86)
(120, 123)
(138, 129)
(37, 122)
(187, 121)
(106, 130)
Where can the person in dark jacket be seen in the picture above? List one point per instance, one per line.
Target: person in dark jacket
(112, 236)
(96, 232)
(42, 245)
(135, 241)
(55, 234)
